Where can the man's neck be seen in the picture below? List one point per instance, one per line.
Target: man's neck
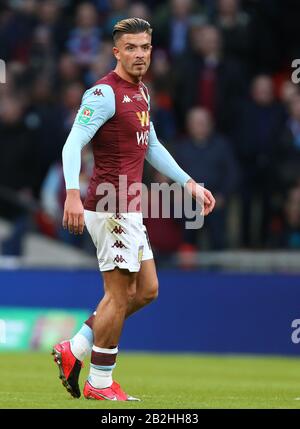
(122, 73)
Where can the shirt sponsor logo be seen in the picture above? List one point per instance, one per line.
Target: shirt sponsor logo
(119, 244)
(142, 137)
(126, 99)
(144, 118)
(85, 115)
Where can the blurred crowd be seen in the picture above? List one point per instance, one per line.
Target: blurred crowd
(222, 102)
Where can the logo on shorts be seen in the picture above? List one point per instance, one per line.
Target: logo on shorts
(85, 115)
(119, 258)
(119, 244)
(118, 230)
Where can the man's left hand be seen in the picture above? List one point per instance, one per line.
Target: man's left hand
(202, 195)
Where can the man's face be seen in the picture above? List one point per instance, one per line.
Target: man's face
(199, 124)
(133, 51)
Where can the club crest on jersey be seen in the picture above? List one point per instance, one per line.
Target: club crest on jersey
(126, 99)
(85, 115)
(144, 118)
(138, 97)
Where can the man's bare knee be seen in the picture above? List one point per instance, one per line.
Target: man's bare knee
(118, 303)
(131, 294)
(151, 292)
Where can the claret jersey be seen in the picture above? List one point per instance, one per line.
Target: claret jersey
(115, 117)
(118, 114)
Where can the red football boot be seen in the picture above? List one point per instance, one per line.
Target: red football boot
(112, 393)
(69, 367)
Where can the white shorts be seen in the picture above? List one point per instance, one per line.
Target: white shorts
(121, 240)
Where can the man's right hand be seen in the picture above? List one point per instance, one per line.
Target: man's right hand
(73, 212)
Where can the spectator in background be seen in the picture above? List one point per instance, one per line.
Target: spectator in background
(287, 160)
(49, 14)
(162, 89)
(16, 31)
(19, 171)
(100, 67)
(210, 160)
(287, 233)
(17, 79)
(235, 30)
(53, 195)
(42, 52)
(139, 10)
(165, 234)
(286, 93)
(257, 126)
(68, 71)
(85, 39)
(118, 11)
(206, 78)
(70, 102)
(171, 25)
(291, 232)
(44, 114)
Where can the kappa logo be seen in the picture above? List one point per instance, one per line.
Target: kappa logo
(98, 92)
(126, 99)
(144, 118)
(119, 244)
(119, 258)
(118, 230)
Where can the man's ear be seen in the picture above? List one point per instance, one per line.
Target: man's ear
(116, 52)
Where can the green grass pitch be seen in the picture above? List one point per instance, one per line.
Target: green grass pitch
(30, 380)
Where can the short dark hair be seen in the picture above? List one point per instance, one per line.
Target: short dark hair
(131, 26)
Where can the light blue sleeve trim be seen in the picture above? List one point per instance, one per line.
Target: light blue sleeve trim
(158, 156)
(97, 107)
